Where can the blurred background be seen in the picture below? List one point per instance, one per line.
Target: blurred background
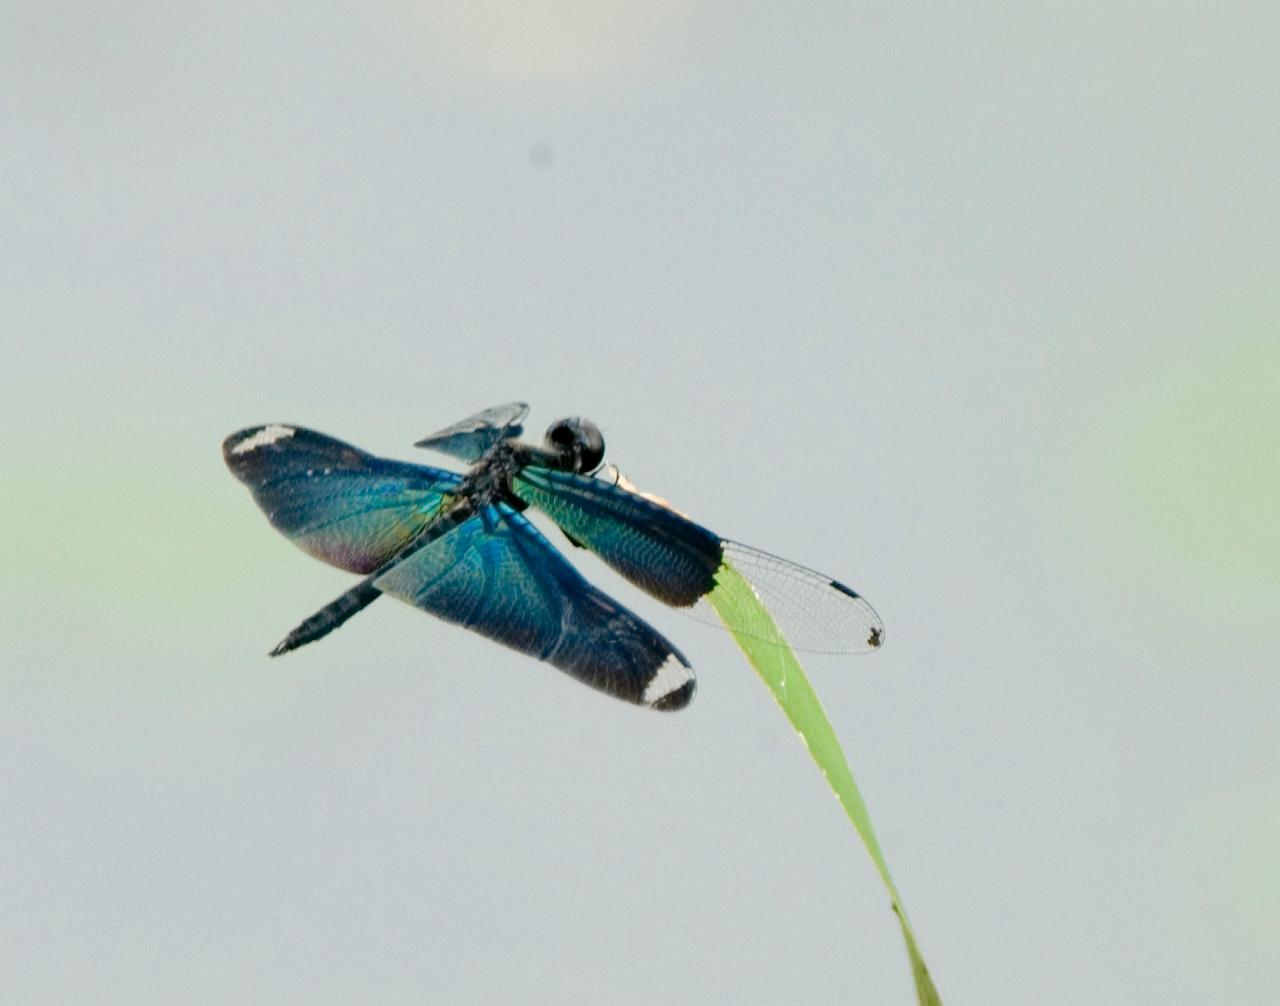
(975, 309)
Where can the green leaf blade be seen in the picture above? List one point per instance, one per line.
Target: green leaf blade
(737, 604)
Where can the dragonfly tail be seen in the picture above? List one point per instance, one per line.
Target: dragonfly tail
(330, 617)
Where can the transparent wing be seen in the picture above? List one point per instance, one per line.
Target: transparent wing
(336, 502)
(497, 575)
(468, 439)
(669, 556)
(814, 612)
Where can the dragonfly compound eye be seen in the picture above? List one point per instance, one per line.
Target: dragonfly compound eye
(578, 441)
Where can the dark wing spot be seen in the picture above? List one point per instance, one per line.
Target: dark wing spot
(845, 590)
(876, 637)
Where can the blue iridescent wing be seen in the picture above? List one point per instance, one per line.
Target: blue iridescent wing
(469, 438)
(655, 548)
(677, 561)
(498, 576)
(335, 501)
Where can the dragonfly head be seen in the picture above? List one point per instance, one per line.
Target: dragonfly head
(578, 443)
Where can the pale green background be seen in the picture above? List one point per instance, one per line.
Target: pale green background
(974, 306)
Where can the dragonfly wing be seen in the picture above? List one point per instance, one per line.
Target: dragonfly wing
(468, 439)
(677, 561)
(335, 501)
(661, 552)
(498, 576)
(813, 611)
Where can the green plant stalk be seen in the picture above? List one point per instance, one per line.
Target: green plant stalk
(736, 603)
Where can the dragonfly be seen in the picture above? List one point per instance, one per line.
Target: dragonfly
(459, 546)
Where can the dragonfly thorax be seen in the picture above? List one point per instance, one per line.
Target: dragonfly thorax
(571, 445)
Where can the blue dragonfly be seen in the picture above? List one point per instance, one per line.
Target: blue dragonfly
(459, 546)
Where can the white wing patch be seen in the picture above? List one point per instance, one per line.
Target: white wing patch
(670, 677)
(266, 435)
